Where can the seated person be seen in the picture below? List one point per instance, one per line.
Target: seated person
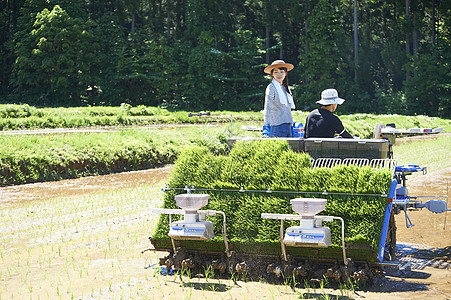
(321, 122)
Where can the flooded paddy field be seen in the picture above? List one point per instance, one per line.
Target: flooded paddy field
(82, 239)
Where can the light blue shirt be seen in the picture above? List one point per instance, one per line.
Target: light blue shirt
(276, 113)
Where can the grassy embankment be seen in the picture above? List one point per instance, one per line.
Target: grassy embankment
(32, 158)
(14, 117)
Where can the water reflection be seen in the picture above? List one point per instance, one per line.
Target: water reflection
(10, 195)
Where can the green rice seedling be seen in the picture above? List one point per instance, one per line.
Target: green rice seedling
(188, 272)
(234, 278)
(271, 292)
(438, 148)
(351, 285)
(244, 276)
(342, 288)
(286, 280)
(325, 281)
(209, 272)
(321, 285)
(294, 283)
(307, 287)
(188, 294)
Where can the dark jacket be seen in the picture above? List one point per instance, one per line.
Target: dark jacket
(322, 123)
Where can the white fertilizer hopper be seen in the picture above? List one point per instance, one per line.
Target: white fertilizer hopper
(190, 203)
(308, 207)
(310, 232)
(193, 226)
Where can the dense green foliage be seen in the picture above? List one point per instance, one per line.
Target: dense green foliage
(209, 54)
(271, 164)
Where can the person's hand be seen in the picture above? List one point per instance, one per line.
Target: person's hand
(266, 129)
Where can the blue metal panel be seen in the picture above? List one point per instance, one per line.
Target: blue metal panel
(388, 208)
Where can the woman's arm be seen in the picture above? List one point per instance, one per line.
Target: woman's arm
(269, 97)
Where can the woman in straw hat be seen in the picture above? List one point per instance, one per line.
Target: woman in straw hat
(321, 122)
(278, 101)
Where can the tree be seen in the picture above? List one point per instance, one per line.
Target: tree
(54, 60)
(321, 66)
(428, 92)
(207, 54)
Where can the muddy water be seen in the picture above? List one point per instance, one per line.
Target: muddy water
(11, 195)
(430, 230)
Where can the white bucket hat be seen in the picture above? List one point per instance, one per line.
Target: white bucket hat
(330, 96)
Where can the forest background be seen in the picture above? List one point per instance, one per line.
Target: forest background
(383, 57)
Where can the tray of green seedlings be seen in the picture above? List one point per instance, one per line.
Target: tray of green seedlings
(262, 177)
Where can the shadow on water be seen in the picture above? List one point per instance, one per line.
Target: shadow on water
(420, 258)
(206, 286)
(417, 260)
(323, 296)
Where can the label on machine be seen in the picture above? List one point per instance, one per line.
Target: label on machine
(313, 237)
(192, 230)
(188, 229)
(307, 236)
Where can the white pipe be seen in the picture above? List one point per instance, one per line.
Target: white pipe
(172, 240)
(284, 253)
(224, 234)
(345, 260)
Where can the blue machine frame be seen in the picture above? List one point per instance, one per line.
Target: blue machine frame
(388, 209)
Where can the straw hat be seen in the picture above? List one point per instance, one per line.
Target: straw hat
(330, 96)
(277, 64)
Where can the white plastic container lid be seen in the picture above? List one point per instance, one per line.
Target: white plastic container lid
(191, 202)
(308, 207)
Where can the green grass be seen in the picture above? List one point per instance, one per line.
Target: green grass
(13, 117)
(33, 158)
(39, 157)
(435, 153)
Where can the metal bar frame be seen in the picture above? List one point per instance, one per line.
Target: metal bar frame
(283, 217)
(170, 212)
